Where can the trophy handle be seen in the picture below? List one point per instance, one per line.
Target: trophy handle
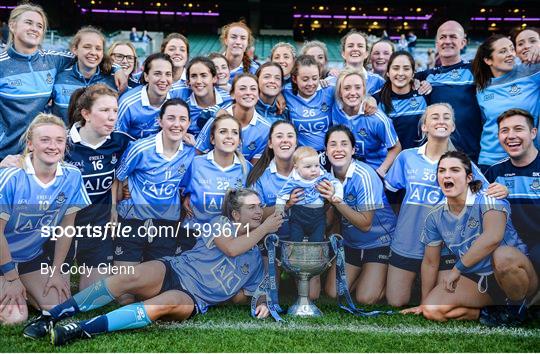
(338, 236)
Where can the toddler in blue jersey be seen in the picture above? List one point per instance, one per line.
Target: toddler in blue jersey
(308, 217)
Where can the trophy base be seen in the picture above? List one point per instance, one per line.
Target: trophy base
(305, 308)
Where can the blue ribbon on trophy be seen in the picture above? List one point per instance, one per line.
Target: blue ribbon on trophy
(268, 286)
(342, 288)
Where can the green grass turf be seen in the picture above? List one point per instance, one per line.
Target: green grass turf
(229, 328)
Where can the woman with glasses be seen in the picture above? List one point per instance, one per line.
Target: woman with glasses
(125, 55)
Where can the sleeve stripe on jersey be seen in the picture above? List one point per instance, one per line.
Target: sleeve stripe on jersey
(390, 187)
(386, 121)
(137, 149)
(124, 133)
(5, 176)
(368, 186)
(127, 102)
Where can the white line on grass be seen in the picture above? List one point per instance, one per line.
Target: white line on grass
(357, 328)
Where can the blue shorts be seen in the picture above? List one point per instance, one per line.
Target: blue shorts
(488, 284)
(414, 265)
(359, 257)
(140, 247)
(92, 252)
(171, 282)
(46, 257)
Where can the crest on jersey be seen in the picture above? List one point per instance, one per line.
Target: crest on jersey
(350, 197)
(245, 269)
(114, 160)
(514, 90)
(413, 102)
(362, 132)
(118, 251)
(49, 80)
(324, 107)
(509, 183)
(182, 169)
(455, 74)
(252, 146)
(238, 183)
(61, 199)
(473, 223)
(535, 185)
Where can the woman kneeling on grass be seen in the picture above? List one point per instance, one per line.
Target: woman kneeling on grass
(491, 267)
(176, 288)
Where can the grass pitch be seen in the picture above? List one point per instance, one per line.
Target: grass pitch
(229, 328)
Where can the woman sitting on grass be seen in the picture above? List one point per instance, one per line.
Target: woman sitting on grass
(492, 267)
(224, 264)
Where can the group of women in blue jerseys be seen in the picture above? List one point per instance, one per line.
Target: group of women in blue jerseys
(182, 161)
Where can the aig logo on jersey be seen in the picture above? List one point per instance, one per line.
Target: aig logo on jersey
(34, 221)
(212, 202)
(514, 90)
(225, 274)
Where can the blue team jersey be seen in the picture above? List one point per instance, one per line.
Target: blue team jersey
(154, 179)
(199, 116)
(208, 183)
(374, 134)
(253, 66)
(454, 84)
(520, 88)
(374, 83)
(31, 207)
(459, 232)
(68, 81)
(311, 195)
(136, 116)
(405, 116)
(268, 187)
(270, 112)
(213, 277)
(254, 136)
(523, 185)
(97, 165)
(312, 116)
(26, 83)
(363, 191)
(417, 174)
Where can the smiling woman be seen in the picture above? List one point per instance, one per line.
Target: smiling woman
(93, 66)
(52, 192)
(499, 79)
(155, 169)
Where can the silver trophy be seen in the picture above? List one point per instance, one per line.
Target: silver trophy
(305, 260)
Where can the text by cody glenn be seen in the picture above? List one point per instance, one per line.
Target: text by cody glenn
(83, 270)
